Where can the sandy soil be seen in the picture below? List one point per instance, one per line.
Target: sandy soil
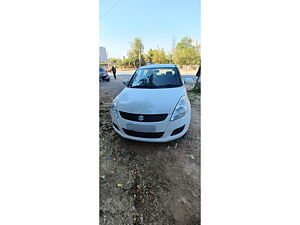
(149, 183)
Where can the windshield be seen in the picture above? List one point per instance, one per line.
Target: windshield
(155, 78)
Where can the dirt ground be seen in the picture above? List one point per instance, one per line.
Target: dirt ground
(149, 183)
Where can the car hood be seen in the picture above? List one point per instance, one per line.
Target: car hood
(149, 101)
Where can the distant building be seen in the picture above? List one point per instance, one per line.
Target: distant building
(194, 43)
(102, 55)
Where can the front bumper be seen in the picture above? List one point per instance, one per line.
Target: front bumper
(166, 126)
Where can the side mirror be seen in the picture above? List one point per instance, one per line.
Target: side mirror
(125, 82)
(188, 81)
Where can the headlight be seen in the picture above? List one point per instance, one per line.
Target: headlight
(180, 109)
(114, 109)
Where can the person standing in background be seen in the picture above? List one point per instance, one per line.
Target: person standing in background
(114, 71)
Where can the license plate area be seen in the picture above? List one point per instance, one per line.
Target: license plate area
(140, 128)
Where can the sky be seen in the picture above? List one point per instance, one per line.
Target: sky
(156, 22)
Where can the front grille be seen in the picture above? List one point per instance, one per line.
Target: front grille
(115, 125)
(143, 134)
(177, 131)
(144, 117)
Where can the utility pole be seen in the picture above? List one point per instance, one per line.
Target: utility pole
(173, 47)
(140, 54)
(173, 42)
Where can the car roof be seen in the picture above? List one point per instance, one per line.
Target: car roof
(158, 66)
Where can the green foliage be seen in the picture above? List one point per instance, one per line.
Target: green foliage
(170, 58)
(137, 47)
(103, 63)
(114, 61)
(187, 53)
(135, 51)
(159, 56)
(130, 61)
(149, 56)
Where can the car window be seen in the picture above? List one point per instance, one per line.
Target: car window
(155, 78)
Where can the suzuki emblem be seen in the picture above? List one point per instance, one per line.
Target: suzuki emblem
(140, 118)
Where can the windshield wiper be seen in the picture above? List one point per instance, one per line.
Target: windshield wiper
(144, 86)
(168, 85)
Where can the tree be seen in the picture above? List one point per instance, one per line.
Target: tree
(170, 58)
(131, 60)
(136, 50)
(113, 61)
(159, 56)
(149, 56)
(116, 61)
(186, 53)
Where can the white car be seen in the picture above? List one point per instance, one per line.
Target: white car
(154, 106)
